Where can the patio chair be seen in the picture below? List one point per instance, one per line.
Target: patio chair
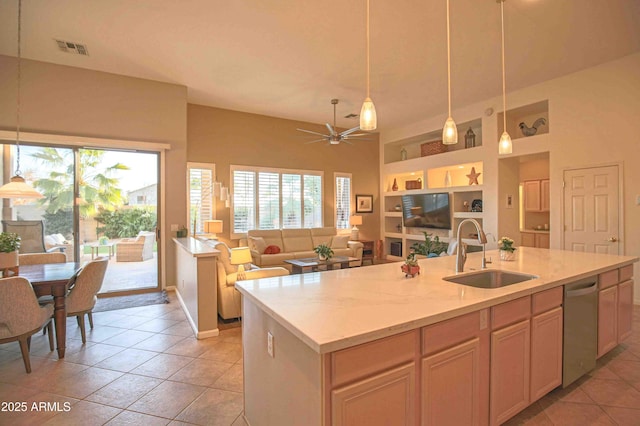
(136, 249)
(84, 287)
(41, 258)
(31, 234)
(21, 316)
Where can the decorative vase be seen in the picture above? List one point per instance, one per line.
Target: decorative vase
(447, 179)
(322, 257)
(9, 260)
(410, 270)
(395, 185)
(403, 154)
(507, 255)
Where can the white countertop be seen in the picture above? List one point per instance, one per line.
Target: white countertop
(334, 310)
(195, 247)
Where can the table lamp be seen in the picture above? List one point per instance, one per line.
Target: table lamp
(212, 227)
(240, 256)
(355, 220)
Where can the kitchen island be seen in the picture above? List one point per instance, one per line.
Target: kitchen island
(340, 335)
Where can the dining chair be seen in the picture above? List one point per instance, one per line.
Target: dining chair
(21, 316)
(83, 290)
(41, 258)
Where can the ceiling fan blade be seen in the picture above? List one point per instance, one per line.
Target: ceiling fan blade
(356, 139)
(312, 132)
(348, 132)
(314, 141)
(331, 131)
(353, 135)
(346, 141)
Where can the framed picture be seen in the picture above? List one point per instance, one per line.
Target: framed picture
(364, 203)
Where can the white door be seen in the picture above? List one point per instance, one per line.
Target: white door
(591, 206)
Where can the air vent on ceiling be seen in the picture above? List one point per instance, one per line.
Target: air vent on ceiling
(352, 115)
(71, 47)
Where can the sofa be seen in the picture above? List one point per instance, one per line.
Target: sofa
(136, 249)
(298, 244)
(229, 299)
(57, 242)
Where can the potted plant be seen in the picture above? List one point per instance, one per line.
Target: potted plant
(9, 246)
(103, 241)
(506, 249)
(432, 247)
(410, 266)
(324, 252)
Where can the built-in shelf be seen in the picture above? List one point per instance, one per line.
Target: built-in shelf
(465, 215)
(393, 214)
(527, 114)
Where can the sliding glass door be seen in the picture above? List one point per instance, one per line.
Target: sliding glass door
(97, 202)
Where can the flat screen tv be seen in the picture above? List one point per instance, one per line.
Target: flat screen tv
(426, 211)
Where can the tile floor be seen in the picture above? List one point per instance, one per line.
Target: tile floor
(143, 366)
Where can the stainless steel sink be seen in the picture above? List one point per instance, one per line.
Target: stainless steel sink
(490, 278)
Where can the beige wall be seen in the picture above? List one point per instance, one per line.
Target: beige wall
(227, 137)
(72, 101)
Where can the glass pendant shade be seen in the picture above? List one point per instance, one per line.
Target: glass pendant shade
(450, 132)
(505, 145)
(17, 188)
(368, 117)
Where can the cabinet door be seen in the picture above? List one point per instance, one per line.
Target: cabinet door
(510, 362)
(387, 398)
(546, 352)
(527, 239)
(607, 320)
(452, 375)
(542, 240)
(544, 195)
(532, 196)
(625, 309)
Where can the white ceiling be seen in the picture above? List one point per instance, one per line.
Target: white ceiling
(288, 58)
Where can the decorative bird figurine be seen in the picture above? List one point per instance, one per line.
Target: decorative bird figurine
(530, 131)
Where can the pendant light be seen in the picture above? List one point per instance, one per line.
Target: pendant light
(450, 130)
(368, 118)
(17, 187)
(505, 146)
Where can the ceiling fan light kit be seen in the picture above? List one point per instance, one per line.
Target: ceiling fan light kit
(450, 130)
(334, 138)
(368, 117)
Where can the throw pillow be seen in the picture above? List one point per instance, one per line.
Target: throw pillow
(272, 250)
(258, 244)
(340, 241)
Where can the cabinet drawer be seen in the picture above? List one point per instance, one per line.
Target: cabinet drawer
(607, 279)
(546, 300)
(362, 360)
(448, 333)
(510, 312)
(626, 272)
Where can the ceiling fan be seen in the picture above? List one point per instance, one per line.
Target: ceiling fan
(334, 138)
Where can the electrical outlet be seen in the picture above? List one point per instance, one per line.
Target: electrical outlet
(270, 344)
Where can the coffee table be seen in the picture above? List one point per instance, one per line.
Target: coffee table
(313, 264)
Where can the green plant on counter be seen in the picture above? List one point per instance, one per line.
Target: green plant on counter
(430, 246)
(9, 242)
(506, 244)
(324, 251)
(411, 260)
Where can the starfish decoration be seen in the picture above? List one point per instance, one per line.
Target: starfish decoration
(473, 176)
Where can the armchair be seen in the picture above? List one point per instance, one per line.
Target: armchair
(229, 299)
(135, 249)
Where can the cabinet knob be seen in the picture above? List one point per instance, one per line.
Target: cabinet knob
(612, 239)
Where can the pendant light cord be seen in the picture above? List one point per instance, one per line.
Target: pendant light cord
(17, 172)
(368, 46)
(448, 61)
(504, 91)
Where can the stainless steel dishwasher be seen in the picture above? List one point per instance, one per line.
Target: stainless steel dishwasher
(580, 346)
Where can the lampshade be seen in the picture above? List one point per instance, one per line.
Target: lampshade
(17, 188)
(355, 220)
(505, 146)
(212, 226)
(450, 132)
(240, 255)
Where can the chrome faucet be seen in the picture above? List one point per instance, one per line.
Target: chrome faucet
(461, 256)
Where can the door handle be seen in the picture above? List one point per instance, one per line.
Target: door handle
(612, 240)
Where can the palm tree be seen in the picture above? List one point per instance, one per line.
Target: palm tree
(98, 190)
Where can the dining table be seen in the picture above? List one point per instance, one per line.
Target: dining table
(52, 279)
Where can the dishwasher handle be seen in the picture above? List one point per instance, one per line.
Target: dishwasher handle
(582, 291)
